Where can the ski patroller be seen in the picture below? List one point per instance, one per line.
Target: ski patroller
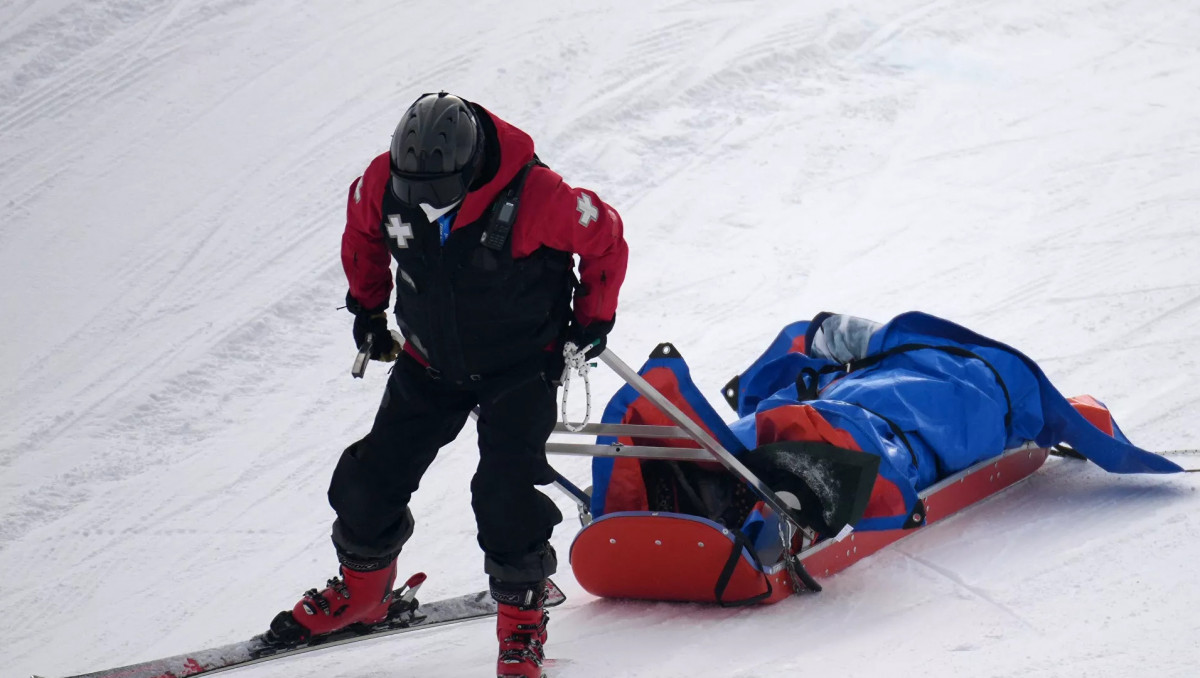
(407, 614)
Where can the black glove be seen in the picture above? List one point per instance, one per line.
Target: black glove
(383, 346)
(591, 338)
(373, 321)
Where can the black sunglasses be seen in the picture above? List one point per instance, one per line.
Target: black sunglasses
(436, 190)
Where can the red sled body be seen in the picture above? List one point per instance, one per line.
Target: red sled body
(676, 557)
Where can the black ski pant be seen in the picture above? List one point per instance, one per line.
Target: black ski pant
(420, 413)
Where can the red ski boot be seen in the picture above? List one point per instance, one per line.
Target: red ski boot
(357, 597)
(521, 629)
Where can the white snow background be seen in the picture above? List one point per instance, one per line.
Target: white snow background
(174, 386)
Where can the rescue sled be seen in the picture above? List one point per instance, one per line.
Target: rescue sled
(639, 546)
(669, 556)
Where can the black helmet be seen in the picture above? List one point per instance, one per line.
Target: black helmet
(435, 151)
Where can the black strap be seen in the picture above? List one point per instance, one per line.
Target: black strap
(808, 382)
(739, 542)
(693, 496)
(896, 431)
(1067, 452)
(504, 209)
(797, 567)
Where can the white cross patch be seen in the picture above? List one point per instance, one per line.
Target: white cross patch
(399, 230)
(587, 210)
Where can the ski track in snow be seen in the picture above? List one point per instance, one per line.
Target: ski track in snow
(173, 382)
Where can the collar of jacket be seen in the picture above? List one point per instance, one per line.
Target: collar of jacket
(516, 150)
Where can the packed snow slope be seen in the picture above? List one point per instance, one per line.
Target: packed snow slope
(174, 386)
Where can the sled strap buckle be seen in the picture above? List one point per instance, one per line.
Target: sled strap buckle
(800, 578)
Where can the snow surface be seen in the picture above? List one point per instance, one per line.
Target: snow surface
(173, 369)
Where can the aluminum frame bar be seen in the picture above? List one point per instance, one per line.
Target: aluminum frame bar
(632, 451)
(630, 430)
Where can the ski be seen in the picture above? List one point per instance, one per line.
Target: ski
(407, 614)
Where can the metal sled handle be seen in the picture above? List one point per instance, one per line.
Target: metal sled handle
(697, 433)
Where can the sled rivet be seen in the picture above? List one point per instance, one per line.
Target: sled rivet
(612, 541)
(725, 530)
(658, 542)
(916, 517)
(990, 478)
(700, 544)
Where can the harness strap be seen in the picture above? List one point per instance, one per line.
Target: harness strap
(896, 431)
(740, 542)
(504, 209)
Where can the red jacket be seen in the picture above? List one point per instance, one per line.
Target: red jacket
(552, 214)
